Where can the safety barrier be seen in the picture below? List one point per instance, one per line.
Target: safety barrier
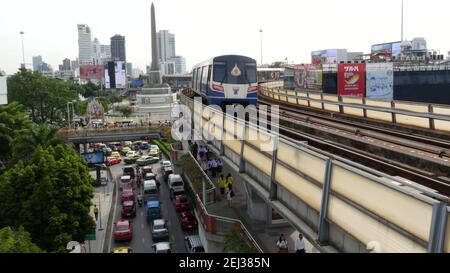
(422, 115)
(370, 206)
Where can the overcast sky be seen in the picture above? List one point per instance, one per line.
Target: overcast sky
(206, 28)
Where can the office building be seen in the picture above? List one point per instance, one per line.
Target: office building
(37, 63)
(118, 48)
(85, 54)
(129, 70)
(66, 65)
(180, 64)
(166, 45)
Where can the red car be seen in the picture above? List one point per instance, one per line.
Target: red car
(188, 221)
(128, 209)
(112, 161)
(123, 231)
(181, 203)
(127, 195)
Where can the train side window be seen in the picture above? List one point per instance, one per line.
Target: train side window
(197, 82)
(205, 78)
(200, 83)
(208, 82)
(194, 72)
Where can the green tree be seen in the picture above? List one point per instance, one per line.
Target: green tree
(44, 98)
(12, 121)
(90, 90)
(126, 110)
(18, 241)
(50, 196)
(236, 241)
(80, 107)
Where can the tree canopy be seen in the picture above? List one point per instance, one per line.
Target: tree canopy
(44, 98)
(18, 241)
(50, 196)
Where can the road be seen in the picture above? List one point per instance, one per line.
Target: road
(142, 239)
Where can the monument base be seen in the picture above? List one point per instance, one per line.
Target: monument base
(155, 78)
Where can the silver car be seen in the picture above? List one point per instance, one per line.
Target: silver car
(159, 229)
(163, 247)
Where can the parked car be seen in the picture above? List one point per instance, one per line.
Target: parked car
(163, 247)
(188, 221)
(113, 160)
(181, 203)
(128, 209)
(193, 244)
(123, 231)
(146, 160)
(129, 170)
(127, 195)
(159, 229)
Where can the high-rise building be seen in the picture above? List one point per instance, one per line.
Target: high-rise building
(66, 65)
(96, 51)
(37, 63)
(180, 64)
(166, 45)
(129, 70)
(85, 54)
(105, 52)
(118, 48)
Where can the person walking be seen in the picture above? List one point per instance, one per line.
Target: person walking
(222, 183)
(219, 166)
(299, 245)
(96, 212)
(214, 167)
(282, 245)
(229, 183)
(230, 194)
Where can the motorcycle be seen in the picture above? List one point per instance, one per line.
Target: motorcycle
(139, 199)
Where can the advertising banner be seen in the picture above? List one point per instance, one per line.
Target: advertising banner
(380, 81)
(351, 79)
(328, 56)
(92, 72)
(314, 77)
(94, 157)
(120, 74)
(300, 76)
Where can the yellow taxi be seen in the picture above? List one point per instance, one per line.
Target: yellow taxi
(123, 249)
(125, 150)
(115, 154)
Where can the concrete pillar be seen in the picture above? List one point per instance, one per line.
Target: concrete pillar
(394, 116)
(256, 206)
(273, 184)
(324, 229)
(431, 111)
(241, 155)
(438, 228)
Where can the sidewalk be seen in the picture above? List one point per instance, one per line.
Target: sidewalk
(103, 197)
(265, 236)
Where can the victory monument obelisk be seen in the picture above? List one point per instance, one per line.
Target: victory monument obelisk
(156, 98)
(155, 74)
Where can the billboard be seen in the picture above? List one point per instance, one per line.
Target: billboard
(380, 81)
(328, 56)
(351, 79)
(388, 49)
(308, 77)
(120, 74)
(3, 90)
(94, 157)
(92, 72)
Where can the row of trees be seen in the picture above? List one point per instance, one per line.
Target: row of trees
(45, 187)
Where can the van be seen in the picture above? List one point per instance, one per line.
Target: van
(193, 244)
(176, 184)
(150, 190)
(125, 182)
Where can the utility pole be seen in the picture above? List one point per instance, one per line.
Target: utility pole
(23, 50)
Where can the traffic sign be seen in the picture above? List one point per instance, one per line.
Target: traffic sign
(90, 237)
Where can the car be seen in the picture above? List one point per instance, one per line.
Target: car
(131, 159)
(188, 221)
(125, 182)
(162, 247)
(128, 209)
(193, 244)
(153, 152)
(125, 150)
(181, 203)
(129, 170)
(165, 172)
(176, 184)
(115, 154)
(150, 190)
(153, 210)
(155, 147)
(146, 169)
(132, 154)
(145, 145)
(122, 249)
(166, 163)
(146, 160)
(127, 195)
(150, 176)
(107, 151)
(127, 143)
(159, 229)
(123, 231)
(113, 160)
(103, 181)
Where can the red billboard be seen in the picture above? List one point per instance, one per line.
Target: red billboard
(351, 79)
(92, 72)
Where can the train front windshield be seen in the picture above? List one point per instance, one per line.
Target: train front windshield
(234, 72)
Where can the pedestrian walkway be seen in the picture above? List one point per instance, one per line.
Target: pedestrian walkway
(103, 197)
(265, 236)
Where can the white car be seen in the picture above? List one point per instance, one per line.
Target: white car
(159, 229)
(132, 154)
(163, 247)
(166, 163)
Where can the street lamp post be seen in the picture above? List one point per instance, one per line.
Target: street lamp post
(260, 31)
(23, 50)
